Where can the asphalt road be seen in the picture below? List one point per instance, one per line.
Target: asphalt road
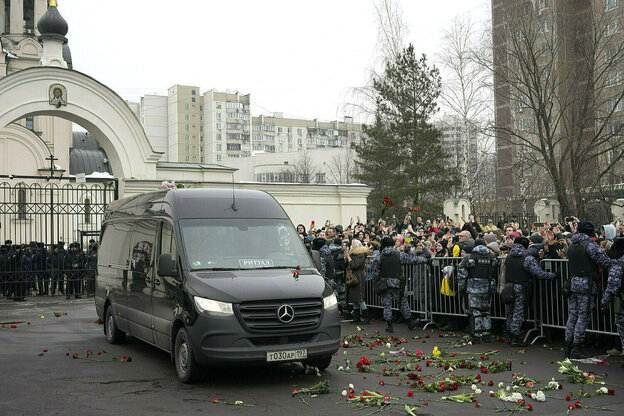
(57, 384)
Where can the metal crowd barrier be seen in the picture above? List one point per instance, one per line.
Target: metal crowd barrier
(546, 308)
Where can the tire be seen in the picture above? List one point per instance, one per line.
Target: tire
(113, 334)
(186, 365)
(321, 362)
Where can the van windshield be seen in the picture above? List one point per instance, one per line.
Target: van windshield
(237, 244)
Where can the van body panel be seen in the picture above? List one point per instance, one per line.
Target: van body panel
(264, 284)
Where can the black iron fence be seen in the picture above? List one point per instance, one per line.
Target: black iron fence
(59, 210)
(18, 284)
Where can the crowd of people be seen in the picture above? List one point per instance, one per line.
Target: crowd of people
(502, 259)
(32, 269)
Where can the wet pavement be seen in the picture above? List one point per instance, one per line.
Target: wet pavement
(35, 382)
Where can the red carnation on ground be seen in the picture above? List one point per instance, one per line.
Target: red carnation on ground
(490, 383)
(570, 407)
(530, 407)
(382, 383)
(577, 404)
(215, 400)
(484, 370)
(567, 398)
(75, 356)
(13, 326)
(40, 354)
(426, 404)
(610, 392)
(410, 394)
(45, 350)
(477, 404)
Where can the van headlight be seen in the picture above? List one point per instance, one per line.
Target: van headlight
(213, 307)
(330, 301)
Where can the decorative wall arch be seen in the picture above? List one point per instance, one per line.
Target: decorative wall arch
(32, 142)
(91, 104)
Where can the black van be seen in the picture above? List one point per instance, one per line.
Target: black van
(215, 277)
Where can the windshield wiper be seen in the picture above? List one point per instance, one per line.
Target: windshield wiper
(218, 269)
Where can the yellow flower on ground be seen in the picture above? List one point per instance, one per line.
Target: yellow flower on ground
(436, 352)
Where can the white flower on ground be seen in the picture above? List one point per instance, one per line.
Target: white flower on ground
(602, 390)
(508, 388)
(238, 402)
(478, 391)
(388, 345)
(351, 387)
(473, 387)
(340, 368)
(469, 342)
(501, 384)
(540, 396)
(516, 397)
(344, 392)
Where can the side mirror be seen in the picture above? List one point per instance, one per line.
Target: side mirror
(167, 266)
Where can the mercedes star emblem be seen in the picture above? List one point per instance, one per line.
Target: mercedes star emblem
(285, 313)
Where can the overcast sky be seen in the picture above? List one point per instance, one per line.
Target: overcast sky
(294, 56)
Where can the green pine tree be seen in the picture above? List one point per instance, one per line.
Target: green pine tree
(401, 155)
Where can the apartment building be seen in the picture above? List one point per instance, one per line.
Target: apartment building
(559, 34)
(460, 142)
(278, 134)
(226, 126)
(217, 127)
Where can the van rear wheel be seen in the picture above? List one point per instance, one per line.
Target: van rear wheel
(187, 368)
(113, 334)
(321, 362)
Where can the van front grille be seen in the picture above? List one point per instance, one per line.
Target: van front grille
(262, 316)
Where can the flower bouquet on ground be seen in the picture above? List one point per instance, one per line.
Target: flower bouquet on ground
(523, 381)
(461, 398)
(370, 399)
(575, 375)
(507, 396)
(364, 365)
(321, 387)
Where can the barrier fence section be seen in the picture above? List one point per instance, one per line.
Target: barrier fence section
(47, 281)
(546, 307)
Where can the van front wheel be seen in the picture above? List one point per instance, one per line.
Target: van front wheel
(184, 358)
(321, 362)
(113, 334)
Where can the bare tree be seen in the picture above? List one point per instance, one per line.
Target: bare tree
(556, 70)
(391, 34)
(303, 170)
(342, 168)
(467, 93)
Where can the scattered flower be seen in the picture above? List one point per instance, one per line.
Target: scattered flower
(410, 394)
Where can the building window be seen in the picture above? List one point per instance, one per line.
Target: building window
(279, 129)
(218, 147)
(30, 125)
(218, 104)
(193, 92)
(614, 105)
(526, 124)
(186, 148)
(612, 28)
(186, 137)
(87, 211)
(186, 117)
(320, 177)
(186, 106)
(610, 4)
(218, 126)
(186, 127)
(219, 158)
(613, 78)
(218, 136)
(202, 159)
(193, 99)
(21, 204)
(187, 159)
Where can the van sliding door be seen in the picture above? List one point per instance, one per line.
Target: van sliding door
(139, 290)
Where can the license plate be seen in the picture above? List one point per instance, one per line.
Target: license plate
(291, 355)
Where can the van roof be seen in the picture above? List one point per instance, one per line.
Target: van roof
(198, 203)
